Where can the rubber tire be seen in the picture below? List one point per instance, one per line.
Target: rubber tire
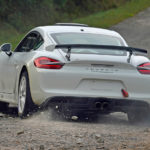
(3, 107)
(55, 115)
(137, 116)
(29, 106)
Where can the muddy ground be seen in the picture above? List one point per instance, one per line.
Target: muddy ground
(110, 132)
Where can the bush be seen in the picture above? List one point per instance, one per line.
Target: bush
(25, 14)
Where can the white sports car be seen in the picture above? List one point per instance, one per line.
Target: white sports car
(76, 70)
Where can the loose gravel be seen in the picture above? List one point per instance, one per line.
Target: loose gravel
(39, 132)
(111, 132)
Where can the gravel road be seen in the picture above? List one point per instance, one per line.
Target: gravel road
(136, 30)
(39, 132)
(111, 132)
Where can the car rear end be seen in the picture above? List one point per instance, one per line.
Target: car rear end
(91, 81)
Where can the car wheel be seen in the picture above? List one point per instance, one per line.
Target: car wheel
(3, 107)
(25, 103)
(138, 116)
(56, 115)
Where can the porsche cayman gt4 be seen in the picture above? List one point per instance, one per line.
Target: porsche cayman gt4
(77, 71)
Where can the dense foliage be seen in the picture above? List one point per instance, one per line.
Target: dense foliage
(24, 14)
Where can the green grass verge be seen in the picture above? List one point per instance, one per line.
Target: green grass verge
(9, 34)
(111, 17)
(104, 19)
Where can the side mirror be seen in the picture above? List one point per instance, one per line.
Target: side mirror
(6, 48)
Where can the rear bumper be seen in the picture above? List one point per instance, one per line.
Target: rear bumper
(88, 105)
(77, 81)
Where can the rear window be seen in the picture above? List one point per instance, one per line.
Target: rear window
(88, 38)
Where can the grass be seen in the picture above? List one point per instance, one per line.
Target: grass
(9, 34)
(111, 17)
(104, 19)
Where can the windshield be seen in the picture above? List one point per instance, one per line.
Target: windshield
(89, 38)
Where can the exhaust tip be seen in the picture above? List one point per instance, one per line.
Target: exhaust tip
(98, 105)
(102, 105)
(105, 105)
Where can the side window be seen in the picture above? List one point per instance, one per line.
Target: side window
(31, 41)
(39, 41)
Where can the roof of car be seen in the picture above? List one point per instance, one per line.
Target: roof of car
(76, 29)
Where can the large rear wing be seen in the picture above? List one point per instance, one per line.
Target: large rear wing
(131, 50)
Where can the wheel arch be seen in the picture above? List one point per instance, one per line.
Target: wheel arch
(24, 68)
(29, 104)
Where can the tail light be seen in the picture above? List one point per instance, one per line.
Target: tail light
(144, 68)
(47, 63)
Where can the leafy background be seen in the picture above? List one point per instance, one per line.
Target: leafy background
(19, 16)
(24, 14)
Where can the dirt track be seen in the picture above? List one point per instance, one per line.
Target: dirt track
(112, 132)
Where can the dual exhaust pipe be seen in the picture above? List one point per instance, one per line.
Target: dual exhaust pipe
(102, 105)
